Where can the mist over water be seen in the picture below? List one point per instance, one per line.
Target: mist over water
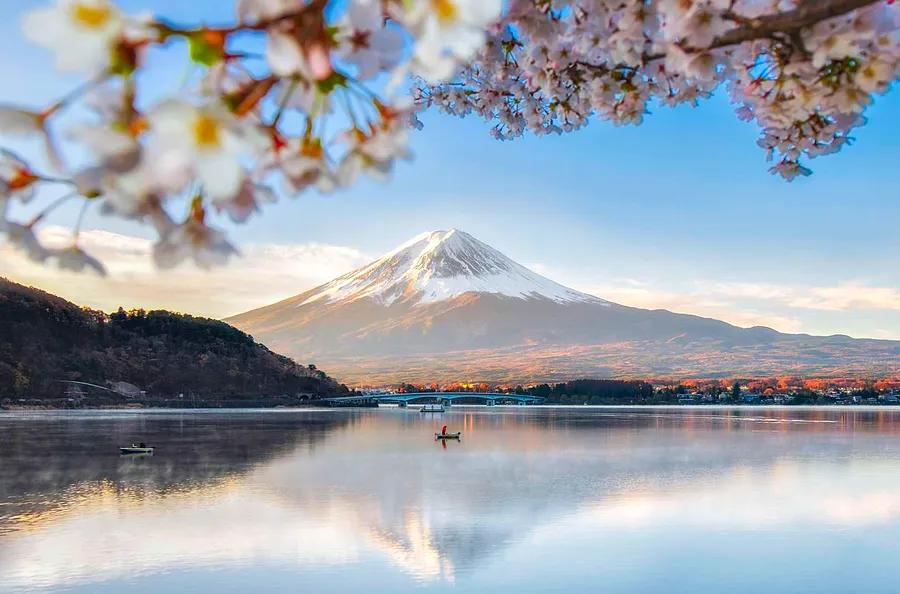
(531, 500)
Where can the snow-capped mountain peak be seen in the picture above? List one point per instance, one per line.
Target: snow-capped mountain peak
(441, 265)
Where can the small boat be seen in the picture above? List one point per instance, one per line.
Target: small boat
(432, 408)
(447, 435)
(136, 449)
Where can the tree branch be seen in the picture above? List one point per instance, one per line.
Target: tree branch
(808, 13)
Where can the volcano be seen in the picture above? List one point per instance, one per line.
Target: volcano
(445, 306)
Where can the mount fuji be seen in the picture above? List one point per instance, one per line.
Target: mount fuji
(445, 306)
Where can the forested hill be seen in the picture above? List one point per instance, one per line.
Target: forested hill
(44, 339)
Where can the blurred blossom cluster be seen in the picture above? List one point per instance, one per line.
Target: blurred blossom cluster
(321, 103)
(316, 108)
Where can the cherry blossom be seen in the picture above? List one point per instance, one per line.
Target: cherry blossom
(448, 32)
(286, 57)
(22, 237)
(254, 11)
(25, 123)
(366, 40)
(374, 150)
(17, 181)
(193, 240)
(16, 120)
(113, 137)
(203, 143)
(77, 260)
(302, 164)
(82, 33)
(247, 201)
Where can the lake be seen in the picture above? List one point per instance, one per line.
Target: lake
(532, 499)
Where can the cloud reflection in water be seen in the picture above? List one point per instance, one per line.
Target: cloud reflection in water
(356, 494)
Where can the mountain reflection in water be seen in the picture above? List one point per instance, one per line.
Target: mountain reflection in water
(536, 499)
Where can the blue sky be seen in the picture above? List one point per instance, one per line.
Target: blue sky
(677, 213)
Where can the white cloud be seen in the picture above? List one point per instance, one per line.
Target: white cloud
(787, 308)
(748, 290)
(265, 273)
(721, 306)
(841, 297)
(848, 296)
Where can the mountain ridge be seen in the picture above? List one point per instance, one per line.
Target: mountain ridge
(45, 340)
(451, 299)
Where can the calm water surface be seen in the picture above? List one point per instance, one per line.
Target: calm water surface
(531, 500)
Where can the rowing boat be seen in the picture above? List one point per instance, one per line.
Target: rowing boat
(135, 450)
(447, 435)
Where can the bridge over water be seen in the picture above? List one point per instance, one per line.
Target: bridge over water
(446, 398)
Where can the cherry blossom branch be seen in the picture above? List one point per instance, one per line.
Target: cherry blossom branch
(223, 147)
(804, 74)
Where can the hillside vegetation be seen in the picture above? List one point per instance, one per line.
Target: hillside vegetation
(45, 339)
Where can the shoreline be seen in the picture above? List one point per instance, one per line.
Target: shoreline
(498, 408)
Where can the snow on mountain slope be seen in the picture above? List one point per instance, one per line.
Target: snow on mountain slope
(441, 265)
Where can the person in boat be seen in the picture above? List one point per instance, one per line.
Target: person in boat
(142, 445)
(444, 430)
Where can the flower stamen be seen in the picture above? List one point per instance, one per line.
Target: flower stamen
(91, 15)
(206, 132)
(445, 9)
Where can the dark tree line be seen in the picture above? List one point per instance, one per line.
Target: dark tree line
(44, 339)
(593, 392)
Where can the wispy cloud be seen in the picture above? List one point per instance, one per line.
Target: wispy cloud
(848, 296)
(787, 308)
(748, 290)
(841, 297)
(264, 274)
(701, 303)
